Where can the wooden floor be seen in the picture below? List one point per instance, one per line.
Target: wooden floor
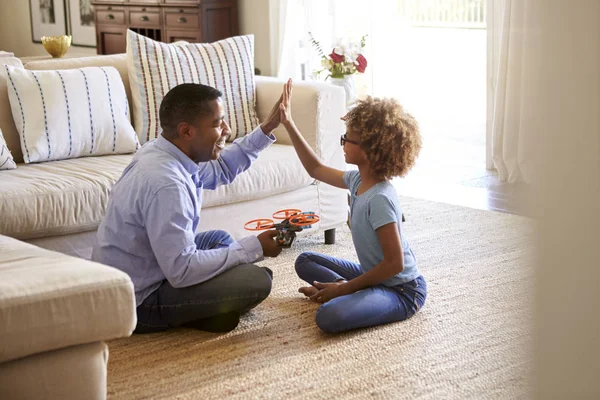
(454, 172)
(485, 193)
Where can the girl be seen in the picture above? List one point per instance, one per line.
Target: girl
(383, 141)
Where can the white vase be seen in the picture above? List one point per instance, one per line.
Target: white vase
(347, 82)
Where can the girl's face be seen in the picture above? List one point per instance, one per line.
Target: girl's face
(353, 154)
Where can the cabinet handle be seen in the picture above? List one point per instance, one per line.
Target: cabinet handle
(109, 8)
(181, 10)
(144, 9)
(182, 20)
(144, 18)
(110, 16)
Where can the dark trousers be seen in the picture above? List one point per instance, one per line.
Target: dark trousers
(226, 296)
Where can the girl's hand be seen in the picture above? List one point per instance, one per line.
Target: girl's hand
(328, 291)
(285, 108)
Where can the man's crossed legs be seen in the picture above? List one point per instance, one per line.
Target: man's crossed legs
(214, 305)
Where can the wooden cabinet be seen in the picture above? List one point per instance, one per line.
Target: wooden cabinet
(164, 20)
(219, 18)
(174, 35)
(111, 40)
(179, 2)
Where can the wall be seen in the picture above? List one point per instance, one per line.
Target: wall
(255, 18)
(568, 125)
(15, 30)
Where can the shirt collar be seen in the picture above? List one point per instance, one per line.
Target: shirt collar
(168, 147)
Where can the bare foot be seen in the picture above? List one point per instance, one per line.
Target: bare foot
(308, 290)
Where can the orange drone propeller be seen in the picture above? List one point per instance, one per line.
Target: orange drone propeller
(259, 224)
(304, 219)
(285, 214)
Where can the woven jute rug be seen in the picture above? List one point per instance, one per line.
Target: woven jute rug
(470, 341)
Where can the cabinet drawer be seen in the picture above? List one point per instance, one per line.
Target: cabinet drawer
(175, 35)
(110, 17)
(144, 2)
(137, 18)
(181, 10)
(144, 9)
(182, 21)
(177, 2)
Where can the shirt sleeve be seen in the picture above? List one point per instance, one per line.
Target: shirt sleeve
(382, 211)
(352, 180)
(169, 225)
(234, 159)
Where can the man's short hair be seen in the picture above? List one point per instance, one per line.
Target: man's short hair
(185, 103)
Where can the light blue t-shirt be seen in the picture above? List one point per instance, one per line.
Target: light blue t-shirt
(373, 209)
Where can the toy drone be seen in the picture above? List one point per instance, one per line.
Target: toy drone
(292, 221)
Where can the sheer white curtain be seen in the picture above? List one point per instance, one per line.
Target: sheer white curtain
(329, 20)
(292, 40)
(298, 59)
(278, 10)
(512, 128)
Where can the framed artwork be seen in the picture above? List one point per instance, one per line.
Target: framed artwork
(48, 18)
(81, 21)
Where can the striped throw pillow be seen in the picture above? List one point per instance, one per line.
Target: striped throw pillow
(6, 159)
(72, 113)
(156, 67)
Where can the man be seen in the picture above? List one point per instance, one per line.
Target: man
(205, 280)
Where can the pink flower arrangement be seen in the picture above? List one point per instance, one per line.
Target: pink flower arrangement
(346, 58)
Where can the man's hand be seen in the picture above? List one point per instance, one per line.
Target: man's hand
(268, 243)
(328, 291)
(285, 107)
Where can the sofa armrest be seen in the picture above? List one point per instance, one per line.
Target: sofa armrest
(316, 108)
(50, 301)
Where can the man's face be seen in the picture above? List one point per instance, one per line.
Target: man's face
(211, 131)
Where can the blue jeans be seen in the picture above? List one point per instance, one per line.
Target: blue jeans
(231, 293)
(375, 305)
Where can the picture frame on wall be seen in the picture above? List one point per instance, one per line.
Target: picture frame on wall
(81, 22)
(48, 18)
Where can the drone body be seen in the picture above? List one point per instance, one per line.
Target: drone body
(292, 221)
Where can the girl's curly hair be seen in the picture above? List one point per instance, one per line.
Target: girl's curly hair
(389, 135)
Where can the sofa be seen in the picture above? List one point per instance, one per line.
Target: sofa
(58, 205)
(56, 313)
(49, 213)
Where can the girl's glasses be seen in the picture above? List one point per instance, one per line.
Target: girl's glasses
(344, 140)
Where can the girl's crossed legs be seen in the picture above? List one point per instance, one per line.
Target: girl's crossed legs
(376, 305)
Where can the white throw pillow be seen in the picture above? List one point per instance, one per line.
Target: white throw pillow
(6, 159)
(70, 113)
(155, 67)
(7, 123)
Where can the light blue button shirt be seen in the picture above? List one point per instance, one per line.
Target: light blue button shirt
(154, 212)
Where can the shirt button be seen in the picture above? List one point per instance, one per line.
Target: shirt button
(257, 255)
